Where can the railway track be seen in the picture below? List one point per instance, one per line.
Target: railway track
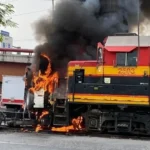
(92, 134)
(22, 129)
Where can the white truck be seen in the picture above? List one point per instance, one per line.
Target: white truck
(13, 88)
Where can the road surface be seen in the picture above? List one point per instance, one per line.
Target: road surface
(38, 141)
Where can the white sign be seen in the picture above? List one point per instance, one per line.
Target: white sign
(39, 98)
(107, 80)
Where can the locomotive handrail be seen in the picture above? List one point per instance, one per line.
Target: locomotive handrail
(99, 84)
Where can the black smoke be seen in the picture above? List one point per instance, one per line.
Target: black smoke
(75, 27)
(145, 8)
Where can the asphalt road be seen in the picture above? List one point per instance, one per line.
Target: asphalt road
(38, 141)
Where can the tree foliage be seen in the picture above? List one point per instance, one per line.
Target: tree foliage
(6, 10)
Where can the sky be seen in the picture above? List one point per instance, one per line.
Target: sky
(26, 13)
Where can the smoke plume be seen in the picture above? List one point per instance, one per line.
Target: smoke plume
(72, 31)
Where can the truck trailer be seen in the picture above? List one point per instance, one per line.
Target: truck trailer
(12, 91)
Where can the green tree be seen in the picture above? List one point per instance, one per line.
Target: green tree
(5, 20)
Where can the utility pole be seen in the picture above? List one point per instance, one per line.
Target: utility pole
(53, 5)
(138, 18)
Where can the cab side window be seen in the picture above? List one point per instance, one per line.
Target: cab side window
(121, 59)
(132, 58)
(126, 59)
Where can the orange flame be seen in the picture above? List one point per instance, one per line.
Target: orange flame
(76, 126)
(44, 55)
(39, 127)
(48, 81)
(48, 70)
(43, 114)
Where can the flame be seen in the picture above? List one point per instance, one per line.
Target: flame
(45, 112)
(44, 55)
(49, 70)
(39, 127)
(76, 126)
(47, 81)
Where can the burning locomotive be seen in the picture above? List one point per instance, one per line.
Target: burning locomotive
(108, 94)
(104, 92)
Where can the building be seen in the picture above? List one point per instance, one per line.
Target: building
(7, 41)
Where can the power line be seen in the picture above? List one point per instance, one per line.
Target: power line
(12, 1)
(23, 40)
(53, 4)
(9, 1)
(28, 13)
